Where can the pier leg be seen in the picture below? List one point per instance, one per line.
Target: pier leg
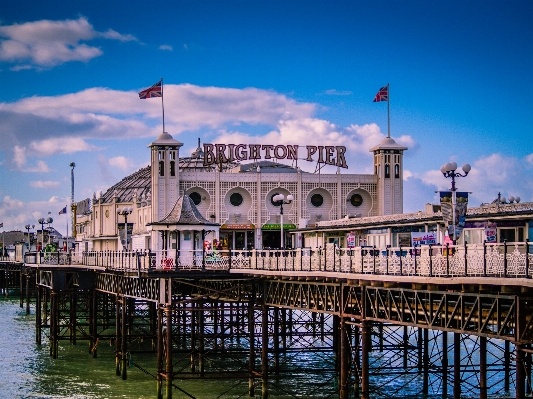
(193, 337)
(528, 372)
(356, 347)
(457, 366)
(405, 346)
(420, 346)
(201, 340)
(275, 337)
(482, 368)
(28, 277)
(38, 315)
(93, 320)
(251, 335)
(54, 316)
(168, 367)
(520, 373)
(345, 357)
(160, 349)
(365, 364)
(264, 352)
(506, 365)
(72, 323)
(21, 279)
(444, 364)
(117, 336)
(123, 340)
(425, 384)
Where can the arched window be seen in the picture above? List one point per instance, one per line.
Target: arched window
(161, 168)
(172, 168)
(387, 171)
(397, 171)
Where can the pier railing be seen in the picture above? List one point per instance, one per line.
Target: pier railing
(477, 260)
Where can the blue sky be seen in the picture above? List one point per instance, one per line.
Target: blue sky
(290, 72)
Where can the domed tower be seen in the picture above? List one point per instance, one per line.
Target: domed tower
(165, 174)
(388, 166)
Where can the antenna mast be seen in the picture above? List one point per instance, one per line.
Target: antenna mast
(72, 205)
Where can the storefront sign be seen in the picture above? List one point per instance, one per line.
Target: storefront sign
(223, 153)
(277, 226)
(237, 226)
(429, 238)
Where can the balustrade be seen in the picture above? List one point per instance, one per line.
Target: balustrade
(473, 260)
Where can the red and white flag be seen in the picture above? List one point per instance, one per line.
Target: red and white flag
(383, 94)
(154, 91)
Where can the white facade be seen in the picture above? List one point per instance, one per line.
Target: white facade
(238, 198)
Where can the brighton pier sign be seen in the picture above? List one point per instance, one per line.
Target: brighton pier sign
(222, 153)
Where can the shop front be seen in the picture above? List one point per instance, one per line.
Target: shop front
(237, 236)
(272, 235)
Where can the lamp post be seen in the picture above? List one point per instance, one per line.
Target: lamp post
(449, 170)
(279, 200)
(28, 227)
(42, 221)
(127, 210)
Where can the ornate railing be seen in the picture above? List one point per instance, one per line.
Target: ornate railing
(474, 260)
(47, 258)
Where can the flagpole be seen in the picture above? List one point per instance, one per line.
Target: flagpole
(162, 105)
(388, 110)
(67, 235)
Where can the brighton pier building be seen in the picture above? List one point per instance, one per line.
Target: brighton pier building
(180, 203)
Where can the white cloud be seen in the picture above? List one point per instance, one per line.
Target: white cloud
(48, 43)
(121, 162)
(166, 47)
(529, 159)
(44, 184)
(66, 123)
(67, 145)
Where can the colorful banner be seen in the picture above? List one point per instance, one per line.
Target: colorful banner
(429, 238)
(455, 227)
(491, 232)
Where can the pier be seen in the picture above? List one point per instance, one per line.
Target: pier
(430, 321)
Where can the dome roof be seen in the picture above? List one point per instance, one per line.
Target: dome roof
(165, 139)
(388, 143)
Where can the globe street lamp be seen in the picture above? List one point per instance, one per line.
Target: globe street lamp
(279, 200)
(449, 170)
(42, 221)
(127, 210)
(28, 227)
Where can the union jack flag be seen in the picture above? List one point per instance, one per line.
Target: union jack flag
(383, 94)
(154, 91)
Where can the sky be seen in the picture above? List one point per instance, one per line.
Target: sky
(285, 72)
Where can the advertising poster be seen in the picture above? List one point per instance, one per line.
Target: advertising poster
(490, 232)
(455, 227)
(429, 238)
(350, 240)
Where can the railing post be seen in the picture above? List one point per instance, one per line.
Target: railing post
(484, 258)
(447, 259)
(466, 259)
(414, 251)
(334, 256)
(387, 253)
(374, 257)
(527, 258)
(401, 268)
(504, 258)
(430, 261)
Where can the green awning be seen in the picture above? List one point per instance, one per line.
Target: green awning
(277, 226)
